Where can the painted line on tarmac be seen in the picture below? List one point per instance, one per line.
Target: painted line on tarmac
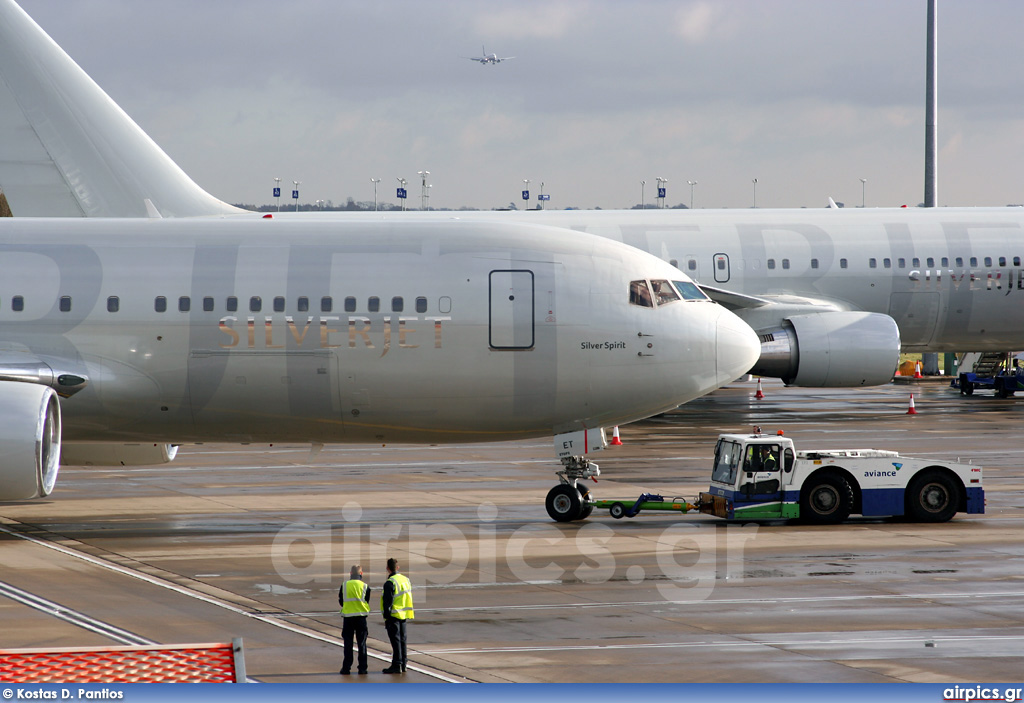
(191, 593)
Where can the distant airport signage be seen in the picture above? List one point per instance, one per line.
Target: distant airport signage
(295, 195)
(402, 193)
(526, 195)
(277, 192)
(661, 192)
(543, 196)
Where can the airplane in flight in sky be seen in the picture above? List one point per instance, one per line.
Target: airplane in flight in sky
(187, 320)
(486, 59)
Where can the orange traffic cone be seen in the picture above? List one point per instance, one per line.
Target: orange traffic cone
(760, 393)
(911, 410)
(616, 442)
(917, 370)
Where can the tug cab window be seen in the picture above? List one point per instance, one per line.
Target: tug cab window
(727, 460)
(640, 294)
(664, 293)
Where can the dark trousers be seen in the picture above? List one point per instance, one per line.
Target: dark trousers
(396, 633)
(354, 628)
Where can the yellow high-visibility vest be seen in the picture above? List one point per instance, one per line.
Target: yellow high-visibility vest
(401, 604)
(354, 603)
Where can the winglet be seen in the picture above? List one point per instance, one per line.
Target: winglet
(68, 150)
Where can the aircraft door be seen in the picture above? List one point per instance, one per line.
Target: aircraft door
(511, 318)
(721, 266)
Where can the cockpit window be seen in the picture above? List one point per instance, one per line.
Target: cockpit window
(664, 293)
(640, 294)
(690, 291)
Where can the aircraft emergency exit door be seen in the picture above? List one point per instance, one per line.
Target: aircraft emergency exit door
(511, 316)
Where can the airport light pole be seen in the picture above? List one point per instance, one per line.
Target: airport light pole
(863, 189)
(295, 194)
(277, 192)
(375, 181)
(755, 193)
(401, 190)
(526, 193)
(642, 184)
(661, 190)
(423, 188)
(692, 184)
(540, 197)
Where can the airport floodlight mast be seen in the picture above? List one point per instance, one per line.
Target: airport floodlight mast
(642, 184)
(401, 191)
(661, 191)
(526, 192)
(423, 188)
(375, 181)
(540, 197)
(754, 181)
(692, 184)
(295, 194)
(277, 192)
(863, 188)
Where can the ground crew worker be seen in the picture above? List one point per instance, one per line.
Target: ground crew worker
(354, 598)
(396, 607)
(768, 460)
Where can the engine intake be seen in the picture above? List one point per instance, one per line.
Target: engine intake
(830, 350)
(30, 432)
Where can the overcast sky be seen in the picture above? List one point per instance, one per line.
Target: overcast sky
(807, 96)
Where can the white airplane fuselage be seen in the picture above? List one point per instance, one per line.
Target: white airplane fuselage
(267, 329)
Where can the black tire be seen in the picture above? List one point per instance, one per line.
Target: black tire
(584, 492)
(618, 511)
(1001, 390)
(563, 503)
(826, 499)
(932, 496)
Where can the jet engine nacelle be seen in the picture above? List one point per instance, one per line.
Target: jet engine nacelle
(105, 454)
(29, 440)
(831, 349)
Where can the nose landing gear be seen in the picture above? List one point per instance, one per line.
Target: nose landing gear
(570, 499)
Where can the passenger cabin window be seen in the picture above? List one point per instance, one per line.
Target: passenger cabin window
(960, 261)
(1002, 261)
(974, 262)
(901, 262)
(785, 263)
(160, 304)
(842, 263)
(664, 293)
(945, 262)
(65, 303)
(350, 304)
(232, 304)
(690, 291)
(18, 303)
(814, 263)
(326, 303)
(916, 262)
(303, 304)
(771, 264)
(113, 304)
(988, 260)
(872, 263)
(373, 304)
(931, 262)
(255, 303)
(691, 265)
(421, 304)
(887, 263)
(184, 304)
(1016, 261)
(640, 294)
(397, 304)
(278, 304)
(207, 304)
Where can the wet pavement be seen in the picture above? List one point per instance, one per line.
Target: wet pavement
(254, 541)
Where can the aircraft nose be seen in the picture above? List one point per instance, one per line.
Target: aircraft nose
(737, 347)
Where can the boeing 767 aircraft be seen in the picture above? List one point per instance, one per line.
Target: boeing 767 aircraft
(231, 326)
